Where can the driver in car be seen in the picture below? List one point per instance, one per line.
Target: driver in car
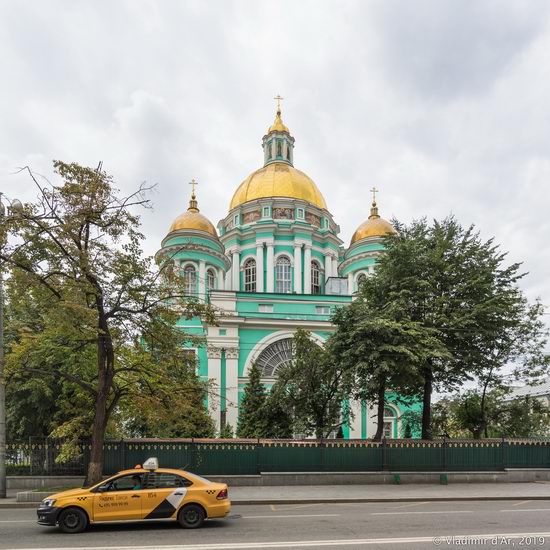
(137, 482)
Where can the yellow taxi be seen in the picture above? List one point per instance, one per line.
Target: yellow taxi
(146, 492)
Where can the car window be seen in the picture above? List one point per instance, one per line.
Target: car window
(203, 479)
(166, 481)
(126, 483)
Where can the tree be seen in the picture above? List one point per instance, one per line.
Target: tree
(226, 432)
(80, 244)
(382, 348)
(252, 415)
(313, 387)
(448, 280)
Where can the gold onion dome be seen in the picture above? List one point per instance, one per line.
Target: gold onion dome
(278, 125)
(375, 226)
(192, 219)
(278, 179)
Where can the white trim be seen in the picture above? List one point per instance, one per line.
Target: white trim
(185, 263)
(270, 339)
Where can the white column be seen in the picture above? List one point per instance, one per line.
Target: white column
(328, 266)
(235, 271)
(259, 267)
(215, 375)
(350, 283)
(232, 386)
(202, 280)
(298, 268)
(220, 284)
(270, 268)
(335, 266)
(307, 269)
(227, 278)
(355, 423)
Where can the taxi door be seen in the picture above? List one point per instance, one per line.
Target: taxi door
(165, 492)
(120, 499)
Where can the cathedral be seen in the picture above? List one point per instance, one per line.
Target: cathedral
(275, 263)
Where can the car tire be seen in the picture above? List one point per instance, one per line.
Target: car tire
(191, 516)
(72, 520)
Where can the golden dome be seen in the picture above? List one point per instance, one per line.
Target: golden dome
(278, 179)
(375, 226)
(193, 219)
(278, 125)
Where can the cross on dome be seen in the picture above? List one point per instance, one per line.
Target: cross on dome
(278, 98)
(374, 191)
(193, 183)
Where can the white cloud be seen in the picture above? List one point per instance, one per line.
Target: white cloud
(442, 105)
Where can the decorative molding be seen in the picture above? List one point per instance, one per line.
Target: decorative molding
(231, 353)
(214, 352)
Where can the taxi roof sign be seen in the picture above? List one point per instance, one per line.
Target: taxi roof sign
(151, 464)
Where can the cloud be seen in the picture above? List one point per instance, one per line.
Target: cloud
(442, 105)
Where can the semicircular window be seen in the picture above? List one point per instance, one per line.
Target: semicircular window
(274, 357)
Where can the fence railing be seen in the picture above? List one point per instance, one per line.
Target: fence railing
(40, 456)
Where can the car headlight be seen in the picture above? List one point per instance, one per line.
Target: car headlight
(48, 502)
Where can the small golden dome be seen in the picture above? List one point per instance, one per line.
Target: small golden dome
(375, 226)
(278, 125)
(193, 219)
(278, 179)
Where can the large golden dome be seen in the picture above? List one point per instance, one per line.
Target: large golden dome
(193, 219)
(278, 179)
(375, 226)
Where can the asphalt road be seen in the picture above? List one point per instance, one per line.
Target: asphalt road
(404, 526)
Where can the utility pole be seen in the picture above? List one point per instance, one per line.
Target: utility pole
(16, 207)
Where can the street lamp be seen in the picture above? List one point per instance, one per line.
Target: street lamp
(15, 208)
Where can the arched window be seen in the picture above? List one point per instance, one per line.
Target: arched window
(270, 150)
(210, 280)
(288, 152)
(283, 277)
(250, 275)
(275, 356)
(360, 280)
(190, 280)
(389, 422)
(279, 149)
(315, 278)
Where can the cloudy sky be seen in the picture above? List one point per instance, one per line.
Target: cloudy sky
(444, 106)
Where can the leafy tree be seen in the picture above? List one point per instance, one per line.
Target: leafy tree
(313, 387)
(381, 348)
(278, 418)
(449, 281)
(110, 306)
(252, 415)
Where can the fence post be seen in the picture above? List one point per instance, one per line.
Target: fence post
(384, 454)
(123, 453)
(193, 456)
(322, 455)
(504, 457)
(444, 454)
(258, 450)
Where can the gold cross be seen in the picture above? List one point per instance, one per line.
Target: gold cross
(278, 98)
(193, 183)
(374, 191)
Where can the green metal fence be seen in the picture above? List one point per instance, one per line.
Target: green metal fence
(245, 457)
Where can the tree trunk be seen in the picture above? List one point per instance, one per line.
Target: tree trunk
(380, 413)
(105, 358)
(427, 404)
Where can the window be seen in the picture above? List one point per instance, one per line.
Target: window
(236, 220)
(288, 152)
(283, 277)
(265, 212)
(250, 275)
(190, 280)
(270, 150)
(389, 422)
(279, 149)
(389, 413)
(274, 356)
(322, 310)
(388, 430)
(300, 213)
(265, 308)
(315, 278)
(166, 481)
(210, 280)
(360, 280)
(131, 482)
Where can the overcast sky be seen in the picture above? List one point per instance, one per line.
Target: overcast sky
(442, 105)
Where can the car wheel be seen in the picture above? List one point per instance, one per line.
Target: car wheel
(72, 520)
(191, 516)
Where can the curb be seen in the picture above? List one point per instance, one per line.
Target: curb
(259, 502)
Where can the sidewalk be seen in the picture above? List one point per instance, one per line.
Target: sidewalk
(306, 494)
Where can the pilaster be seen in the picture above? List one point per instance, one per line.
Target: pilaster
(307, 269)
